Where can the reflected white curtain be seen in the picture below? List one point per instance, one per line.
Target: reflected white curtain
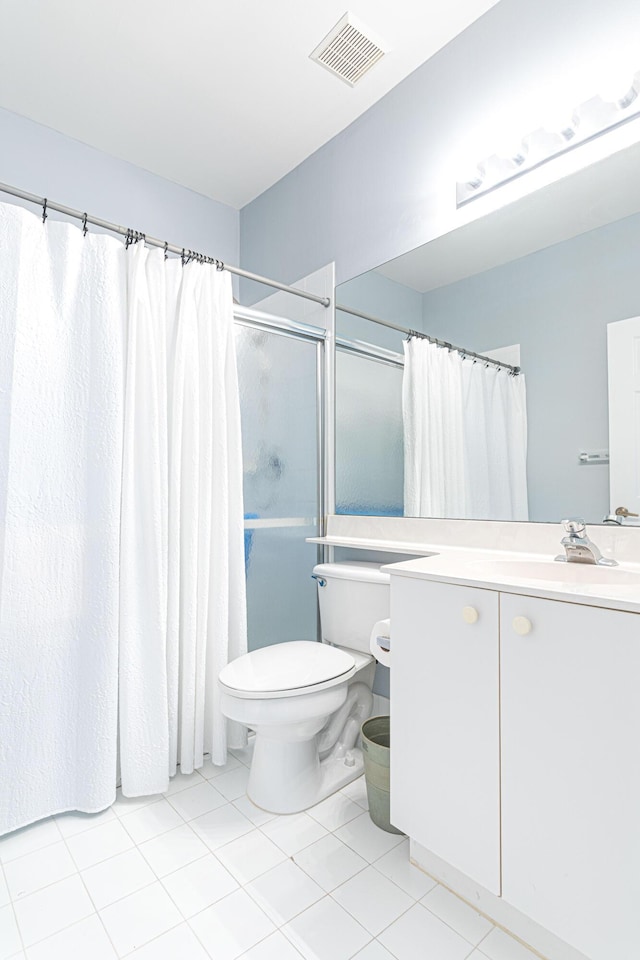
(465, 433)
(183, 611)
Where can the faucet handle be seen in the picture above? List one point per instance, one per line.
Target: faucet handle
(575, 526)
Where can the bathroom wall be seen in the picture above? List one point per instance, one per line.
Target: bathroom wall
(41, 161)
(381, 297)
(386, 184)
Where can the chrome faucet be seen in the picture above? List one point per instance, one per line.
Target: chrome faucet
(578, 547)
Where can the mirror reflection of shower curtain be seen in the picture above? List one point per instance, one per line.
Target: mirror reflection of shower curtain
(465, 430)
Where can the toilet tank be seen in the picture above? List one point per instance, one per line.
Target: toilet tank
(353, 596)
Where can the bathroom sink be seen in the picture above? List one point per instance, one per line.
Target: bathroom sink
(555, 571)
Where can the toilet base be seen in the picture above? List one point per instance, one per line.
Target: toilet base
(322, 778)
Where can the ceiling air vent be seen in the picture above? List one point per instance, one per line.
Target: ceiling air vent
(349, 50)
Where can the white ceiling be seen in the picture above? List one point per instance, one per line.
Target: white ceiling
(220, 97)
(599, 194)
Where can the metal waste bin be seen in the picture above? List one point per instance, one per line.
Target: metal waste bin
(376, 732)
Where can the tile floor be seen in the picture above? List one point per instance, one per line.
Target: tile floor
(202, 874)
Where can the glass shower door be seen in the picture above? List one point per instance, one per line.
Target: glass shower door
(279, 404)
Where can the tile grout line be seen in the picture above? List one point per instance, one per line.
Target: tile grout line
(442, 920)
(97, 912)
(13, 909)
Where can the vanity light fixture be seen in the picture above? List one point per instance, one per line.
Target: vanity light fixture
(589, 120)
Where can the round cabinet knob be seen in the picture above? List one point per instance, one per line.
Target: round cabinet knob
(469, 614)
(522, 626)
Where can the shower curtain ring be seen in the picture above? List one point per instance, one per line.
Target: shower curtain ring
(166, 250)
(219, 265)
(84, 225)
(44, 210)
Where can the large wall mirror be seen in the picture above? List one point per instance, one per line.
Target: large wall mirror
(542, 281)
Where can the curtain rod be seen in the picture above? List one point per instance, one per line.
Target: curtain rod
(425, 336)
(135, 235)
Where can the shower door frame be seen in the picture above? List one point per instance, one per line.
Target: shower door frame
(325, 401)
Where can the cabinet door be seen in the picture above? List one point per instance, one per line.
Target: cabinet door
(571, 772)
(445, 754)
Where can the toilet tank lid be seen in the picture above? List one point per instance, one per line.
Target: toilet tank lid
(361, 570)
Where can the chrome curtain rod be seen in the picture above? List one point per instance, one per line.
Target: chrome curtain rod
(425, 336)
(135, 235)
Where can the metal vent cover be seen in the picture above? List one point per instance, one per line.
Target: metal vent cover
(349, 50)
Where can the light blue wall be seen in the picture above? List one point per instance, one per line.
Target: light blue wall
(41, 161)
(556, 303)
(381, 297)
(386, 184)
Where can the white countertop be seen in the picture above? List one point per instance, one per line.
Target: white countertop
(514, 572)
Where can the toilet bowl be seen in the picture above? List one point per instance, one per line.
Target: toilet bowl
(305, 700)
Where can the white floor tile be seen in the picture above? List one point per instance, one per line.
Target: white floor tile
(373, 900)
(197, 800)
(21, 842)
(221, 826)
(284, 892)
(84, 939)
(99, 844)
(182, 781)
(464, 919)
(498, 945)
(294, 833)
(210, 770)
(10, 942)
(5, 896)
(126, 805)
(330, 862)
(335, 811)
(198, 885)
(151, 821)
(232, 926)
(249, 856)
(365, 838)
(117, 877)
(180, 943)
(253, 813)
(134, 921)
(52, 909)
(70, 824)
(38, 869)
(173, 850)
(374, 951)
(233, 785)
(397, 866)
(245, 754)
(326, 932)
(275, 947)
(418, 934)
(357, 791)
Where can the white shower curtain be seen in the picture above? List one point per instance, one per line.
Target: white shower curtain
(465, 437)
(182, 550)
(62, 311)
(121, 520)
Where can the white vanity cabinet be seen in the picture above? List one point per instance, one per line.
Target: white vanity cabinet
(445, 759)
(516, 752)
(570, 706)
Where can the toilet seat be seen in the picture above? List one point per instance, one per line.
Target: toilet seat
(287, 670)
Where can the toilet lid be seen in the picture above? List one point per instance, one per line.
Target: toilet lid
(287, 666)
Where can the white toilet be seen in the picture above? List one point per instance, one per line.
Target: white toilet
(305, 700)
